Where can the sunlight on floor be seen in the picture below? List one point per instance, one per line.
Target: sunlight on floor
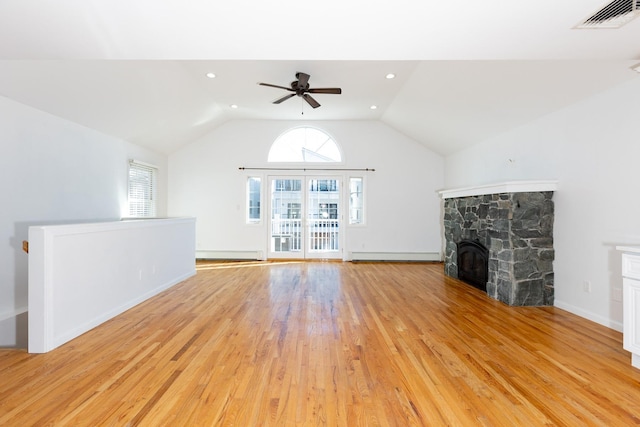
(215, 265)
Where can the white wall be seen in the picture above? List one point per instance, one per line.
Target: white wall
(403, 210)
(71, 290)
(592, 149)
(53, 171)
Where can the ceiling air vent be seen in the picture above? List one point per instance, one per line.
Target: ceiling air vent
(614, 15)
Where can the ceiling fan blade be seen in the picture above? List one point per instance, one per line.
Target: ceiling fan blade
(332, 90)
(284, 98)
(303, 79)
(311, 101)
(279, 87)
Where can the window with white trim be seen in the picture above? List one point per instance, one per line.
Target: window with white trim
(254, 213)
(142, 189)
(356, 200)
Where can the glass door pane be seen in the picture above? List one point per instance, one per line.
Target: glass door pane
(286, 217)
(323, 217)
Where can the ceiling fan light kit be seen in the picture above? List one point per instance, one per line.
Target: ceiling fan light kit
(300, 87)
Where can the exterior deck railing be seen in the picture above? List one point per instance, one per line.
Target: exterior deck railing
(323, 235)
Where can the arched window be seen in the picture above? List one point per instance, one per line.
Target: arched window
(304, 144)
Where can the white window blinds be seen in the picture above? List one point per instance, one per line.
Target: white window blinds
(142, 189)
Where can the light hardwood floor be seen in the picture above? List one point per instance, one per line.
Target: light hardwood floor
(332, 344)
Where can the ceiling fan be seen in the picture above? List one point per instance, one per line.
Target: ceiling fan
(300, 87)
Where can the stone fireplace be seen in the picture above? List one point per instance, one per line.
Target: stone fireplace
(514, 222)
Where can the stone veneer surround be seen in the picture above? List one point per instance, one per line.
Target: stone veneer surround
(517, 228)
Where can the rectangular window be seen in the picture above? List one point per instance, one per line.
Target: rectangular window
(324, 185)
(288, 185)
(356, 201)
(328, 211)
(142, 189)
(253, 200)
(294, 211)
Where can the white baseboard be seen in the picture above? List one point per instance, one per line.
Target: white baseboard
(394, 256)
(589, 315)
(248, 255)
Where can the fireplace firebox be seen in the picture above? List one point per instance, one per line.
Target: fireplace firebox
(473, 263)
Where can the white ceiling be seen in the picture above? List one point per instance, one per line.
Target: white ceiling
(466, 70)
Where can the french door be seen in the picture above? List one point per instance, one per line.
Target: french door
(305, 217)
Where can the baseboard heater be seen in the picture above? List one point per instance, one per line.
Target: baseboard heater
(354, 256)
(395, 256)
(230, 255)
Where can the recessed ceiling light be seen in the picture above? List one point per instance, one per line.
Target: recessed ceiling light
(374, 107)
(390, 76)
(211, 75)
(636, 68)
(234, 106)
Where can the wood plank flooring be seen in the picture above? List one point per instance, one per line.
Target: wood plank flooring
(329, 344)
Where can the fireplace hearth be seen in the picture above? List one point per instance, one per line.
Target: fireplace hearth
(516, 231)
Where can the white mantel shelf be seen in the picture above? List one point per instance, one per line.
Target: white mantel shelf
(502, 187)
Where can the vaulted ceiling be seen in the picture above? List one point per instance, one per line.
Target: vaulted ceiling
(465, 70)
